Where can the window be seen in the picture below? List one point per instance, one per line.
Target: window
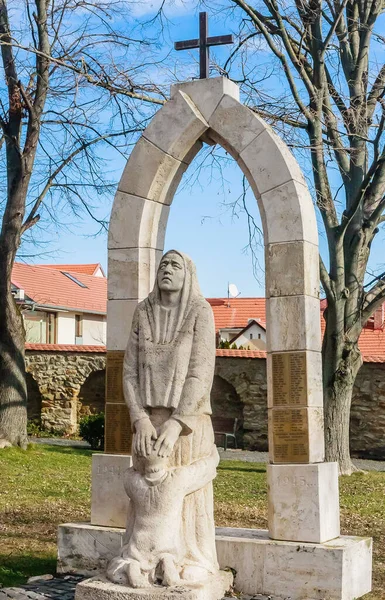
(259, 336)
(74, 279)
(51, 328)
(35, 323)
(251, 336)
(78, 326)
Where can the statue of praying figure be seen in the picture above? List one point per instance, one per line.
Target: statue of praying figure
(167, 378)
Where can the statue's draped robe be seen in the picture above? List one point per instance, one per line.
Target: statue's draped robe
(168, 372)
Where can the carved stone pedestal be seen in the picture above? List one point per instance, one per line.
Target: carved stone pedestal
(337, 570)
(98, 588)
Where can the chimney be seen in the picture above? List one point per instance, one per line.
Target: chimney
(379, 318)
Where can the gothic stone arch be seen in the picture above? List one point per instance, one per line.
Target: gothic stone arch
(211, 108)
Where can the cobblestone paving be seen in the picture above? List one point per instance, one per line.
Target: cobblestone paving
(63, 588)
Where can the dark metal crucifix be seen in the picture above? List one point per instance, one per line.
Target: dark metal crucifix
(203, 44)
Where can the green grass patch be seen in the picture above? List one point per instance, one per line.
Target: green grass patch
(47, 485)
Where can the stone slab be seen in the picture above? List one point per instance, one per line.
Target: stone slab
(156, 168)
(137, 222)
(340, 569)
(294, 324)
(214, 588)
(119, 320)
(132, 271)
(303, 502)
(292, 269)
(109, 502)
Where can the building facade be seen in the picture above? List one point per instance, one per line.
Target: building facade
(62, 304)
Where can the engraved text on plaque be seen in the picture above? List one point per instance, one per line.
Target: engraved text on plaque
(114, 383)
(290, 435)
(289, 379)
(118, 436)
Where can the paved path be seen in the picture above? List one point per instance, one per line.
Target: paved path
(262, 457)
(63, 588)
(242, 455)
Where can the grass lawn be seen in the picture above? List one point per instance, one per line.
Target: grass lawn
(48, 485)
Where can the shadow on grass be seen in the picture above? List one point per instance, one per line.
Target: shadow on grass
(68, 450)
(15, 570)
(242, 468)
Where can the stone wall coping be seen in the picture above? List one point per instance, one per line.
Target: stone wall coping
(220, 352)
(80, 349)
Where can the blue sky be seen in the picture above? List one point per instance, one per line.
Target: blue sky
(201, 221)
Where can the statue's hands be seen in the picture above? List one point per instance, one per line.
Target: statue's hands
(145, 432)
(169, 432)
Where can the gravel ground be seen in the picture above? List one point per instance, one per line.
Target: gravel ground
(243, 455)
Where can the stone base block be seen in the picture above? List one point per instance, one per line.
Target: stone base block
(109, 502)
(303, 502)
(213, 588)
(340, 569)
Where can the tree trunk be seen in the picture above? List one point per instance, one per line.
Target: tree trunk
(13, 388)
(339, 372)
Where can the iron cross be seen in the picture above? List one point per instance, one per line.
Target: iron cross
(203, 43)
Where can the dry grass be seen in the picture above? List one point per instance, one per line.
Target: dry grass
(47, 485)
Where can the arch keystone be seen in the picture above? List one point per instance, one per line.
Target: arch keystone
(206, 94)
(177, 126)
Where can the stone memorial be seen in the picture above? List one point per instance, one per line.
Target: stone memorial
(167, 376)
(302, 555)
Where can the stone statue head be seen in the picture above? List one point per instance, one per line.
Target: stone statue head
(171, 272)
(155, 468)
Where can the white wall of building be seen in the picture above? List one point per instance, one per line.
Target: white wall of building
(65, 328)
(255, 333)
(227, 334)
(94, 330)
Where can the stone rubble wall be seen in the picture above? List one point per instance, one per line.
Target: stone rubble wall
(239, 391)
(367, 417)
(60, 377)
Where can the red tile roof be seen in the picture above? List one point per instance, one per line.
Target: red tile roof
(49, 287)
(372, 343)
(237, 312)
(64, 348)
(89, 269)
(229, 353)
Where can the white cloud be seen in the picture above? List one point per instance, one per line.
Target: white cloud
(141, 8)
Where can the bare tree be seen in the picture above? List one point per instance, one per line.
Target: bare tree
(74, 89)
(332, 110)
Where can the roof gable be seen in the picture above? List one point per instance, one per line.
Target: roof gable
(253, 323)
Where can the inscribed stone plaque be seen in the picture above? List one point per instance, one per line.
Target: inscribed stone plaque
(290, 429)
(118, 435)
(114, 376)
(289, 379)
